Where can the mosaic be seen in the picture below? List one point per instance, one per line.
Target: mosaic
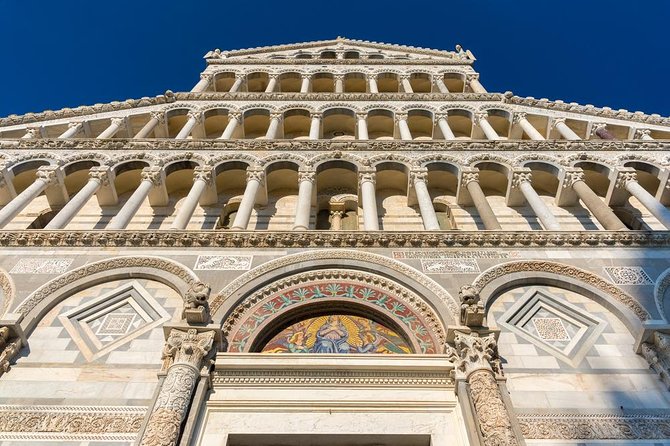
(30, 265)
(337, 333)
(450, 266)
(234, 263)
(628, 275)
(341, 290)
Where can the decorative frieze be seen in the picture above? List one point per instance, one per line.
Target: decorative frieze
(628, 275)
(223, 263)
(429, 254)
(39, 265)
(445, 266)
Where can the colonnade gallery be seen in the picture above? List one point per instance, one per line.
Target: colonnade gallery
(335, 243)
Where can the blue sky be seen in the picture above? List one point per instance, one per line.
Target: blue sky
(66, 53)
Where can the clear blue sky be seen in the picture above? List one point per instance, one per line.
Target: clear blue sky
(66, 53)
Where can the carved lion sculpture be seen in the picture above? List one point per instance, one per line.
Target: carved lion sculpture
(197, 296)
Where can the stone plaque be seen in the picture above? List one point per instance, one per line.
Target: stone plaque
(628, 275)
(36, 265)
(235, 263)
(441, 266)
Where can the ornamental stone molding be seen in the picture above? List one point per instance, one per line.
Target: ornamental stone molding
(660, 287)
(657, 353)
(8, 291)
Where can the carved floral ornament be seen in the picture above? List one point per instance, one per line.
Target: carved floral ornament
(335, 287)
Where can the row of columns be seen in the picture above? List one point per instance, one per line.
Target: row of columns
(203, 181)
(206, 80)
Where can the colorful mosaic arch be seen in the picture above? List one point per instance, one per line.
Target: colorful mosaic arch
(337, 333)
(336, 292)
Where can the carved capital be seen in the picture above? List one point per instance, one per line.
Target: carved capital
(48, 174)
(361, 116)
(316, 115)
(367, 177)
(158, 116)
(572, 176)
(469, 176)
(9, 349)
(404, 77)
(400, 117)
(206, 76)
(418, 175)
(657, 353)
(274, 76)
(99, 173)
(307, 76)
(472, 308)
(237, 116)
(521, 177)
(152, 174)
(118, 122)
(195, 115)
(472, 352)
(441, 115)
(472, 77)
(556, 121)
(338, 77)
(480, 116)
(518, 117)
(240, 76)
(256, 174)
(641, 133)
(203, 173)
(187, 347)
(624, 177)
(276, 115)
(307, 175)
(371, 76)
(72, 125)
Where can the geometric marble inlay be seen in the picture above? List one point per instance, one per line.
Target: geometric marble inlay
(109, 321)
(553, 324)
(628, 275)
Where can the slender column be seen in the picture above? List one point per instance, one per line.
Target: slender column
(234, 119)
(643, 134)
(600, 130)
(628, 181)
(339, 83)
(565, 131)
(441, 86)
(98, 176)
(478, 373)
(202, 177)
(255, 179)
(304, 86)
(156, 118)
(183, 357)
(475, 85)
(315, 126)
(336, 220)
(370, 215)
(239, 80)
(482, 120)
(522, 181)
(406, 85)
(405, 134)
(203, 84)
(444, 126)
(72, 129)
(273, 128)
(304, 208)
(272, 83)
(594, 204)
(116, 124)
(151, 177)
(32, 133)
(46, 176)
(362, 126)
(520, 118)
(419, 180)
(471, 181)
(193, 119)
(372, 83)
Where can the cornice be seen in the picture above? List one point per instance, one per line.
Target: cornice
(266, 62)
(604, 112)
(245, 145)
(336, 239)
(321, 97)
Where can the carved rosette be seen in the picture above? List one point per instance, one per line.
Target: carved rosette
(184, 351)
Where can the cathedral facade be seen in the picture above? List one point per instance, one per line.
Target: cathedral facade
(335, 243)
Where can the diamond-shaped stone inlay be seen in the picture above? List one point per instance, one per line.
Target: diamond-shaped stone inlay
(105, 323)
(550, 329)
(628, 275)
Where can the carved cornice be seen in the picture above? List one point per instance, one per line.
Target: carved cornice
(265, 62)
(335, 239)
(274, 96)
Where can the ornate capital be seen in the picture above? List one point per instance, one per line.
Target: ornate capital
(118, 122)
(361, 115)
(624, 177)
(472, 352)
(572, 176)
(338, 77)
(441, 115)
(556, 121)
(472, 77)
(48, 174)
(203, 173)
(640, 133)
(316, 115)
(307, 175)
(368, 177)
(657, 353)
(99, 173)
(153, 174)
(472, 308)
(371, 76)
(418, 175)
(306, 76)
(237, 116)
(158, 116)
(469, 176)
(256, 174)
(400, 117)
(195, 115)
(197, 306)
(274, 76)
(72, 125)
(9, 349)
(404, 77)
(480, 116)
(240, 76)
(518, 117)
(276, 115)
(206, 76)
(187, 347)
(521, 177)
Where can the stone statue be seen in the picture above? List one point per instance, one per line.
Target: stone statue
(472, 309)
(197, 307)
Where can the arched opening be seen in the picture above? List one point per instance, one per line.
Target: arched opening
(442, 182)
(339, 123)
(355, 83)
(337, 186)
(460, 122)
(224, 81)
(323, 83)
(290, 82)
(282, 189)
(296, 124)
(380, 124)
(391, 187)
(352, 55)
(387, 83)
(455, 82)
(256, 123)
(328, 55)
(175, 121)
(500, 120)
(215, 122)
(420, 82)
(231, 180)
(420, 124)
(257, 82)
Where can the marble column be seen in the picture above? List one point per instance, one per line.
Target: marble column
(151, 177)
(443, 124)
(183, 357)
(304, 86)
(565, 131)
(315, 126)
(419, 180)
(362, 125)
(405, 134)
(628, 181)
(369, 198)
(643, 134)
(406, 84)
(441, 86)
(522, 181)
(203, 84)
(239, 80)
(520, 118)
(46, 176)
(156, 118)
(98, 177)
(73, 129)
(339, 83)
(475, 85)
(194, 118)
(234, 119)
(202, 178)
(478, 373)
(114, 127)
(273, 127)
(489, 131)
(255, 179)
(471, 182)
(303, 209)
(601, 211)
(372, 83)
(336, 220)
(272, 83)
(600, 130)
